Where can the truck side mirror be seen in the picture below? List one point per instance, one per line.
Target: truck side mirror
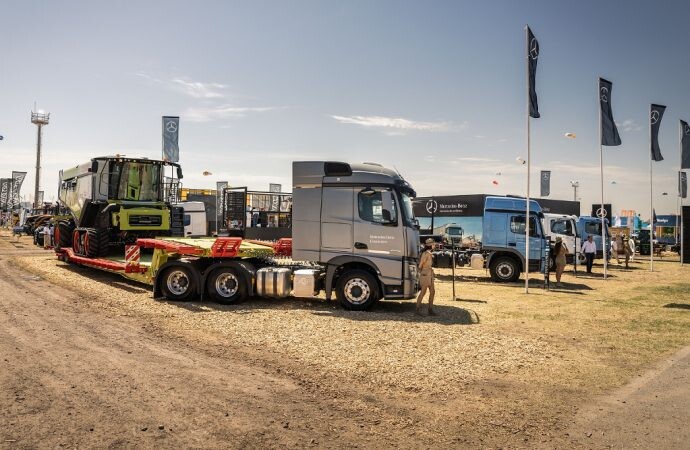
(179, 172)
(94, 166)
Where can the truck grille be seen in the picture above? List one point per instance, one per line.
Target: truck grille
(145, 221)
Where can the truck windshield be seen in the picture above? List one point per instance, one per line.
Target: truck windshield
(454, 231)
(407, 212)
(134, 181)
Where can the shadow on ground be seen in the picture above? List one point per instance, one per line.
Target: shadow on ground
(381, 311)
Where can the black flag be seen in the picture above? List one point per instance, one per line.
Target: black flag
(655, 114)
(683, 184)
(532, 58)
(609, 132)
(171, 132)
(685, 145)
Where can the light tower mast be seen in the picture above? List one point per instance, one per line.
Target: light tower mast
(39, 118)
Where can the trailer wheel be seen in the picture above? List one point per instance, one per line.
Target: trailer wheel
(177, 283)
(225, 285)
(357, 290)
(504, 269)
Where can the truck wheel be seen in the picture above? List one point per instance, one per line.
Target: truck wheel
(178, 283)
(504, 269)
(226, 285)
(357, 290)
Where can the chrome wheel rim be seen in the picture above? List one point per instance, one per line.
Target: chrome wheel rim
(227, 284)
(177, 282)
(504, 270)
(357, 291)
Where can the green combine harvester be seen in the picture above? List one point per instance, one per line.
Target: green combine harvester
(113, 201)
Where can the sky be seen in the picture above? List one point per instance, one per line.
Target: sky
(435, 89)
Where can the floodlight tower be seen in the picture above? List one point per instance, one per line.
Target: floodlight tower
(39, 118)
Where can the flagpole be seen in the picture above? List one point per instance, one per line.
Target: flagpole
(680, 189)
(651, 203)
(528, 163)
(601, 170)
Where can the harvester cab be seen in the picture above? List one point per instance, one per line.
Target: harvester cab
(113, 201)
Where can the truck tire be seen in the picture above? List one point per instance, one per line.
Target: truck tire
(357, 290)
(178, 283)
(226, 285)
(504, 269)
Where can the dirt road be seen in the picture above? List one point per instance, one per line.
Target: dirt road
(72, 376)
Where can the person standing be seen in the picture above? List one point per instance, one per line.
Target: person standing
(627, 251)
(426, 278)
(559, 252)
(589, 248)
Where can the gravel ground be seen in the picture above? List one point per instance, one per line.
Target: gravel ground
(388, 346)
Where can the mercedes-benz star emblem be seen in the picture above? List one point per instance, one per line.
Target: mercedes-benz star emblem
(545, 176)
(654, 117)
(171, 127)
(431, 206)
(534, 49)
(601, 212)
(604, 94)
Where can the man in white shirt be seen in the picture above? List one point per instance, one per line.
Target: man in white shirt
(589, 249)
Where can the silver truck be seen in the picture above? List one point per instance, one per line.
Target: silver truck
(356, 222)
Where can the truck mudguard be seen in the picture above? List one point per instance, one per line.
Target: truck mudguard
(497, 251)
(340, 261)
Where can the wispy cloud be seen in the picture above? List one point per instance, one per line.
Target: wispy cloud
(476, 159)
(629, 125)
(197, 89)
(207, 114)
(396, 125)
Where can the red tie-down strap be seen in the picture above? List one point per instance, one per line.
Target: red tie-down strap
(281, 247)
(170, 246)
(226, 247)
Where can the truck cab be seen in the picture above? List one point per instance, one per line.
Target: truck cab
(565, 227)
(588, 225)
(451, 235)
(503, 234)
(357, 221)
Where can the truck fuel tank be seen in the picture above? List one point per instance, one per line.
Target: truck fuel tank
(306, 282)
(273, 282)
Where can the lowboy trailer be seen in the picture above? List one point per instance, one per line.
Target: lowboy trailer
(354, 234)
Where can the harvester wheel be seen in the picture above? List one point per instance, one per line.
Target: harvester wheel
(63, 235)
(77, 242)
(91, 243)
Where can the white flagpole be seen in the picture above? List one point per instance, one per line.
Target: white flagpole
(528, 164)
(601, 170)
(651, 200)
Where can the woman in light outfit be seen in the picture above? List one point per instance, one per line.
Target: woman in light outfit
(426, 278)
(559, 252)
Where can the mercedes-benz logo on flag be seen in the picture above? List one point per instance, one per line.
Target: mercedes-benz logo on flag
(687, 129)
(601, 212)
(431, 206)
(170, 126)
(545, 176)
(654, 116)
(604, 94)
(534, 49)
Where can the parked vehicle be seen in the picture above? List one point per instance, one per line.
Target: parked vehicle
(565, 227)
(354, 234)
(503, 246)
(113, 201)
(194, 218)
(588, 225)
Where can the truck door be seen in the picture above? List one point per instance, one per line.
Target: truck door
(516, 234)
(379, 233)
(336, 222)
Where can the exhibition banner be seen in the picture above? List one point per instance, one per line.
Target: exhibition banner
(685, 145)
(220, 199)
(545, 183)
(532, 58)
(609, 132)
(171, 130)
(4, 192)
(655, 115)
(682, 184)
(596, 211)
(17, 180)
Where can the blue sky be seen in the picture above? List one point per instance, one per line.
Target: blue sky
(435, 89)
